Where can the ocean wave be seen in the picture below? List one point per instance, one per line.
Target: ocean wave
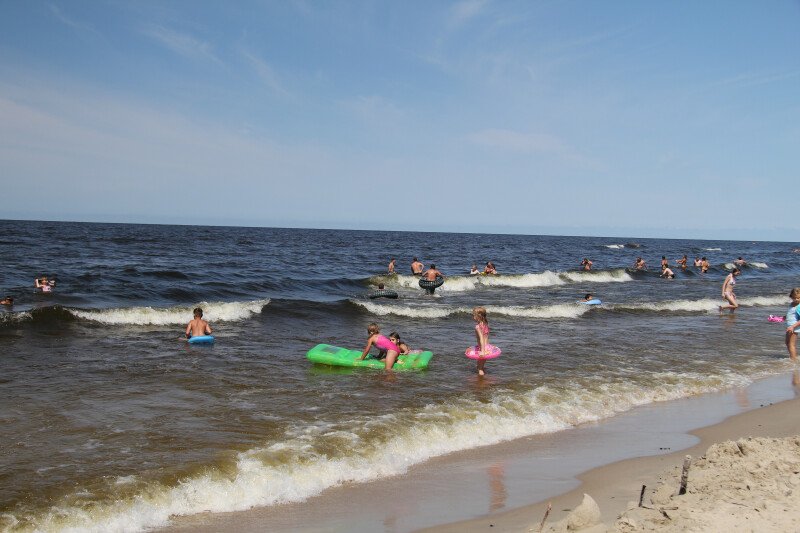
(702, 305)
(615, 246)
(520, 281)
(567, 310)
(712, 249)
(169, 316)
(313, 458)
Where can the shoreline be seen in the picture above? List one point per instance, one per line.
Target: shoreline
(616, 487)
(508, 485)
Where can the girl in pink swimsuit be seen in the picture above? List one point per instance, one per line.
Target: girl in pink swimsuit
(481, 334)
(382, 343)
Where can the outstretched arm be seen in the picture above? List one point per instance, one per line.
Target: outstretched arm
(367, 347)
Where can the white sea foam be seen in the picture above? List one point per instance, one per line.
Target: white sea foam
(705, 304)
(757, 264)
(615, 246)
(569, 310)
(169, 316)
(547, 278)
(313, 458)
(712, 249)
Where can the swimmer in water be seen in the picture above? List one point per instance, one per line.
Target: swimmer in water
(197, 327)
(416, 267)
(430, 275)
(474, 271)
(586, 264)
(640, 264)
(395, 338)
(391, 266)
(740, 261)
(704, 266)
(588, 297)
(490, 269)
(382, 343)
(727, 291)
(8, 300)
(44, 284)
(682, 262)
(666, 272)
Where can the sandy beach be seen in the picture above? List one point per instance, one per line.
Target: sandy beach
(609, 461)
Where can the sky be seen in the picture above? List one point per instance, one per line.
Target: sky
(615, 118)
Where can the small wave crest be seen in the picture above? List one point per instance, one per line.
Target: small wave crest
(169, 316)
(615, 246)
(570, 310)
(547, 278)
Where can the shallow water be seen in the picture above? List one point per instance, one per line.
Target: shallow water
(111, 421)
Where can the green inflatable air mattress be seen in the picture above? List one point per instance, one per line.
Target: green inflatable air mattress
(325, 354)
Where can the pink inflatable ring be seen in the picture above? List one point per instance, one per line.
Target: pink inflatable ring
(473, 352)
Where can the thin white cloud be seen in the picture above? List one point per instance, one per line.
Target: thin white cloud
(374, 109)
(182, 43)
(531, 143)
(80, 27)
(265, 73)
(463, 12)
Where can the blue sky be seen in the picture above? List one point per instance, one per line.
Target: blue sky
(664, 119)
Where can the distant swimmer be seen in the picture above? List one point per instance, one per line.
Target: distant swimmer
(682, 262)
(490, 269)
(704, 266)
(792, 323)
(382, 343)
(391, 266)
(474, 271)
(197, 327)
(588, 297)
(664, 262)
(8, 300)
(740, 261)
(727, 291)
(416, 267)
(666, 272)
(640, 264)
(697, 262)
(44, 284)
(586, 264)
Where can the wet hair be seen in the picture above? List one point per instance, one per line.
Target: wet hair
(480, 312)
(663, 257)
(380, 286)
(433, 266)
(588, 296)
(795, 293)
(373, 328)
(394, 335)
(736, 271)
(415, 259)
(198, 312)
(704, 259)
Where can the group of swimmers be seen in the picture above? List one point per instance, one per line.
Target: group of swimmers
(391, 347)
(42, 283)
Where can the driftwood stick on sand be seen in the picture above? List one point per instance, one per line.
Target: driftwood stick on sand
(544, 518)
(641, 495)
(685, 475)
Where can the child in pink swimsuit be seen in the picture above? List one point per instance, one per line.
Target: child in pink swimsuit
(481, 334)
(382, 343)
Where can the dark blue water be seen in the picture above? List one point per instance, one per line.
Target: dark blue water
(111, 421)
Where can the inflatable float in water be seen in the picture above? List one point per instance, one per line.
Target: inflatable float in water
(325, 354)
(201, 339)
(474, 352)
(431, 286)
(593, 301)
(383, 293)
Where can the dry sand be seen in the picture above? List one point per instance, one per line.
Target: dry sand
(749, 481)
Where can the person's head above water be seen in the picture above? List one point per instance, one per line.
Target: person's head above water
(198, 313)
(380, 286)
(433, 267)
(588, 296)
(373, 328)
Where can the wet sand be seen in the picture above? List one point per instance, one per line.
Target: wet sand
(494, 487)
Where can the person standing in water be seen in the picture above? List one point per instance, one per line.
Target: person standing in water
(792, 323)
(704, 266)
(682, 262)
(481, 336)
(391, 266)
(374, 338)
(430, 275)
(416, 267)
(197, 327)
(586, 264)
(727, 291)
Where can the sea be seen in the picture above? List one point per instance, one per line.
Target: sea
(111, 421)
